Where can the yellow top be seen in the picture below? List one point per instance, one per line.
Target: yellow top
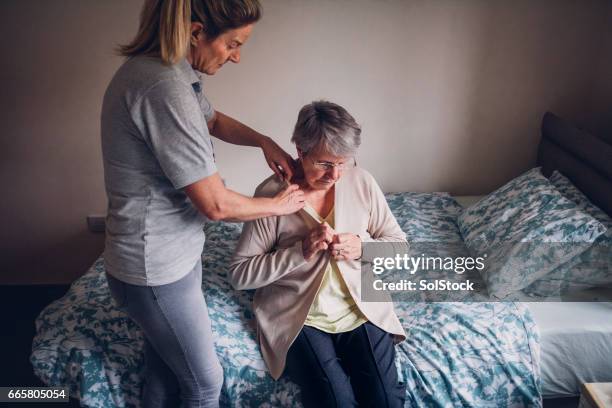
(333, 309)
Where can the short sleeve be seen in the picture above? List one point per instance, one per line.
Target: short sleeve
(206, 107)
(173, 125)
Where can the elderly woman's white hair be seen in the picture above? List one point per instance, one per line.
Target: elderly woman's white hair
(327, 125)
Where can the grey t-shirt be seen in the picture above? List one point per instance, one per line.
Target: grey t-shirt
(155, 141)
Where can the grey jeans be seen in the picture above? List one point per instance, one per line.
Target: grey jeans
(180, 360)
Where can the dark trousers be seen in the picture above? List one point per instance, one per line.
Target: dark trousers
(355, 368)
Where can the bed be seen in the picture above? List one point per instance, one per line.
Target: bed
(478, 354)
(575, 339)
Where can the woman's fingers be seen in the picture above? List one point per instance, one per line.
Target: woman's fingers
(292, 187)
(275, 168)
(316, 234)
(342, 246)
(317, 237)
(347, 237)
(342, 256)
(294, 194)
(293, 191)
(339, 247)
(298, 197)
(339, 256)
(289, 200)
(279, 160)
(285, 168)
(347, 246)
(327, 231)
(313, 246)
(346, 254)
(326, 227)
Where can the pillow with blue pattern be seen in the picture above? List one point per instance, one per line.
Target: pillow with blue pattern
(525, 230)
(426, 217)
(590, 269)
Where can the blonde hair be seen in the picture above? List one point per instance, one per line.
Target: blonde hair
(165, 25)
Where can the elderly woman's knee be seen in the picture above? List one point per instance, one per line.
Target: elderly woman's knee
(214, 381)
(205, 385)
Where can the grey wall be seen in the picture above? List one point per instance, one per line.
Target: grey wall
(598, 119)
(56, 62)
(449, 94)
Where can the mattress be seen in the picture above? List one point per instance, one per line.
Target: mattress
(576, 345)
(575, 340)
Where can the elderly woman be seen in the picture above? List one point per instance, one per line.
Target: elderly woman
(311, 322)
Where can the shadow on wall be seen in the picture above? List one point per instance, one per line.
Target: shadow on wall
(526, 62)
(58, 263)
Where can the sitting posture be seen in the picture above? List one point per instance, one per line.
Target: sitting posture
(311, 321)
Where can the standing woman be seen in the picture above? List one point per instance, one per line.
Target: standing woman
(162, 182)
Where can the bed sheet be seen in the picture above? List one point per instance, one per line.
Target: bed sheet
(575, 339)
(457, 354)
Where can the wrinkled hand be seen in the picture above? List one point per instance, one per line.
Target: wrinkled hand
(318, 239)
(279, 160)
(346, 246)
(289, 200)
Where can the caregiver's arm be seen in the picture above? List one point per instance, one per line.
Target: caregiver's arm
(210, 197)
(232, 131)
(257, 262)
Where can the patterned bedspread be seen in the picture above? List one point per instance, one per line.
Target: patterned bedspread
(477, 354)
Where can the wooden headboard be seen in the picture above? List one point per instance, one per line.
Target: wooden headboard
(583, 158)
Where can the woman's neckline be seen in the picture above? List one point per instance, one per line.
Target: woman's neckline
(314, 214)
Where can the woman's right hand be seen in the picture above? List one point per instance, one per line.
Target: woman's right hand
(318, 239)
(289, 200)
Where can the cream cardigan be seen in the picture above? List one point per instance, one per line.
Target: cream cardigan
(269, 258)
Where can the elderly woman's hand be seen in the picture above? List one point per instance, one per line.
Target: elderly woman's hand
(279, 160)
(346, 246)
(318, 239)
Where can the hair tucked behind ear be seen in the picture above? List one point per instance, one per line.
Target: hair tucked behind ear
(165, 25)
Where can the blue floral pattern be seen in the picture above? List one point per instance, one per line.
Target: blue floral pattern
(591, 268)
(527, 229)
(456, 355)
(426, 217)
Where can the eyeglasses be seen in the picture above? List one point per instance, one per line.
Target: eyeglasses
(327, 166)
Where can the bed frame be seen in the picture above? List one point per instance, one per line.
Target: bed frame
(587, 161)
(583, 158)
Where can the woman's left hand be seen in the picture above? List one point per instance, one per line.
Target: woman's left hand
(346, 246)
(279, 160)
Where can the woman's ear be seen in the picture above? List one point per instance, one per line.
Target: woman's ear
(197, 28)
